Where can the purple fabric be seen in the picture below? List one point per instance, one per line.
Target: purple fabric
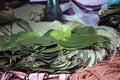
(87, 8)
(92, 2)
(84, 2)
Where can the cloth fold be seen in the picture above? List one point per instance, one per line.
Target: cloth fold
(88, 19)
(18, 75)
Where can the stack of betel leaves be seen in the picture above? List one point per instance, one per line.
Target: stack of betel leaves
(68, 50)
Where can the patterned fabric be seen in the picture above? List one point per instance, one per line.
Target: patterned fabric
(17, 75)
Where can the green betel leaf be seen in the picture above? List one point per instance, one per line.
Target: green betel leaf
(84, 30)
(32, 38)
(17, 40)
(47, 41)
(104, 42)
(2, 42)
(59, 34)
(7, 42)
(80, 41)
(25, 35)
(54, 49)
(21, 63)
(12, 42)
(27, 38)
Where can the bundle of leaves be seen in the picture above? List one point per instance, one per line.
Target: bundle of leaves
(8, 18)
(110, 16)
(55, 51)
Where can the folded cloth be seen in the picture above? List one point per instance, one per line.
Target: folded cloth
(18, 75)
(38, 76)
(58, 77)
(91, 2)
(90, 18)
(37, 0)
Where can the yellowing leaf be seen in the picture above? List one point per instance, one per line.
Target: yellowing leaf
(59, 34)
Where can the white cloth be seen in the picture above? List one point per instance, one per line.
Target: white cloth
(85, 18)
